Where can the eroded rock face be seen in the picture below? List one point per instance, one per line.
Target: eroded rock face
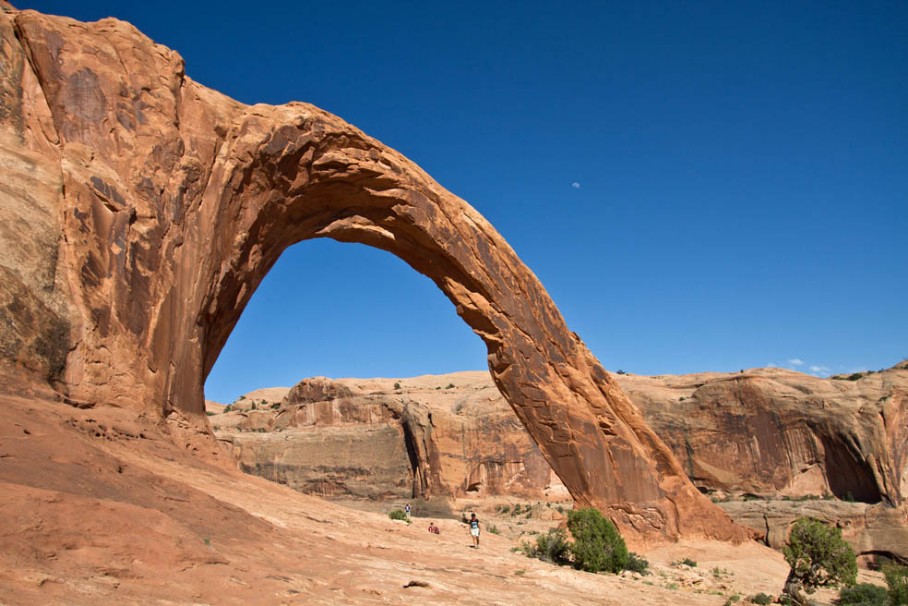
(175, 201)
(454, 436)
(445, 436)
(775, 432)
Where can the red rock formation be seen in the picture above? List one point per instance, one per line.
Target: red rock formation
(780, 433)
(772, 444)
(175, 203)
(446, 436)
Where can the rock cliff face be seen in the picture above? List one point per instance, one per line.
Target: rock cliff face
(771, 444)
(434, 436)
(775, 432)
(151, 208)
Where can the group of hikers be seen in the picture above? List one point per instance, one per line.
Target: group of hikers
(472, 523)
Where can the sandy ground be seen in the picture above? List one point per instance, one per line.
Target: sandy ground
(101, 508)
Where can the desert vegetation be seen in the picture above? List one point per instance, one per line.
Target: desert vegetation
(597, 546)
(819, 557)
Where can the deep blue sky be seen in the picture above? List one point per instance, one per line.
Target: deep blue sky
(699, 185)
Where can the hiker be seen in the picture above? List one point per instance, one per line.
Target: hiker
(407, 510)
(474, 530)
(433, 528)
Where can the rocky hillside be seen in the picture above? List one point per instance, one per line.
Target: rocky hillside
(767, 444)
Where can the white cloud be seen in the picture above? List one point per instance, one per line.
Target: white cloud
(796, 362)
(575, 185)
(819, 369)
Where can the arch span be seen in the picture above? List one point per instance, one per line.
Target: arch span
(176, 202)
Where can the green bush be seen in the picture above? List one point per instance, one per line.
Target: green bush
(863, 594)
(597, 544)
(493, 529)
(897, 580)
(762, 598)
(818, 556)
(398, 514)
(636, 563)
(550, 547)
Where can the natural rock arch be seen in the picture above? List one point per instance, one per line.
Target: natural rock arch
(175, 201)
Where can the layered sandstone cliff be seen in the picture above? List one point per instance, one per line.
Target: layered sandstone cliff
(771, 444)
(148, 208)
(434, 436)
(778, 432)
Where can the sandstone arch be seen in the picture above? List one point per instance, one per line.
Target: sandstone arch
(175, 201)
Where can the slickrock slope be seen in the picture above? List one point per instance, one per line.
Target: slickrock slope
(101, 507)
(148, 209)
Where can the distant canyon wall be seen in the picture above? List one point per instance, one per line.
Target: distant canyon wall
(771, 444)
(447, 436)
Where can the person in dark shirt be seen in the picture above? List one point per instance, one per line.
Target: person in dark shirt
(474, 530)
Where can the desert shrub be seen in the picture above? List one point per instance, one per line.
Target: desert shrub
(761, 598)
(398, 514)
(897, 581)
(493, 529)
(517, 509)
(597, 544)
(504, 508)
(550, 547)
(818, 556)
(397, 386)
(449, 386)
(636, 563)
(863, 594)
(685, 562)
